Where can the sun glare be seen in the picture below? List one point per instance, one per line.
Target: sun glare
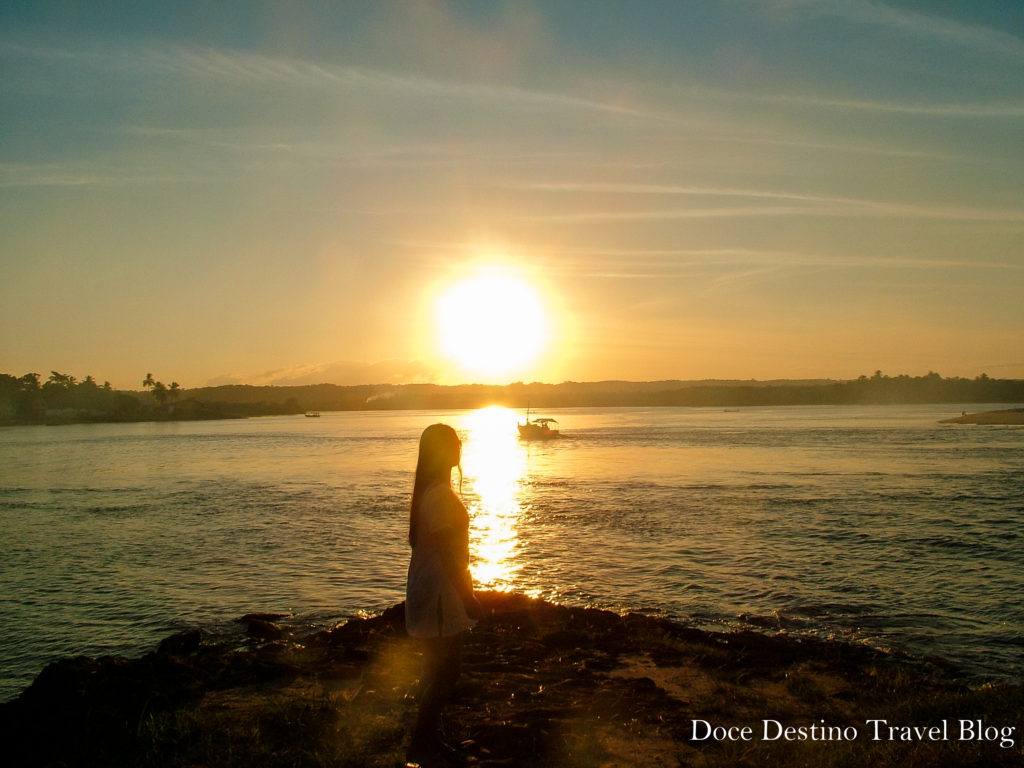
(494, 464)
(491, 325)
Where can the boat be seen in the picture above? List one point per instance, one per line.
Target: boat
(537, 429)
(312, 414)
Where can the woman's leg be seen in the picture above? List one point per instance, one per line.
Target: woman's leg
(442, 662)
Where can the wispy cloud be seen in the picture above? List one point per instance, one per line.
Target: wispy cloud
(674, 189)
(703, 256)
(964, 110)
(339, 372)
(738, 212)
(241, 68)
(735, 212)
(930, 26)
(817, 205)
(312, 143)
(633, 264)
(833, 147)
(951, 110)
(14, 175)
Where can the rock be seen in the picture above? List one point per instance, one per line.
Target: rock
(261, 626)
(541, 685)
(182, 644)
(261, 617)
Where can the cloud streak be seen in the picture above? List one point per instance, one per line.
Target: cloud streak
(342, 372)
(819, 205)
(242, 68)
(638, 264)
(966, 111)
(928, 26)
(14, 175)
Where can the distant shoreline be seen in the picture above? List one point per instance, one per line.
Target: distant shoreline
(1008, 417)
(1011, 417)
(24, 401)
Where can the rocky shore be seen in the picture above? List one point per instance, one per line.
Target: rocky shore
(542, 685)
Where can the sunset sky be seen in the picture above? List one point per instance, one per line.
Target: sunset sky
(267, 193)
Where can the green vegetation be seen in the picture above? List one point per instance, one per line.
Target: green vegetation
(63, 399)
(874, 390)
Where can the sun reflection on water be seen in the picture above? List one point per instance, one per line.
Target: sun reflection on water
(493, 465)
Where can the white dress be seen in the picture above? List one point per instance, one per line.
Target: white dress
(433, 607)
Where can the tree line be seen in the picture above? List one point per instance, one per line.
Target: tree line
(878, 389)
(27, 399)
(62, 398)
(161, 392)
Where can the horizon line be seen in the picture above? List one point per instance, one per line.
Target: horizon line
(706, 379)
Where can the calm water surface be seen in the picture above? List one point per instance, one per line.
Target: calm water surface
(873, 524)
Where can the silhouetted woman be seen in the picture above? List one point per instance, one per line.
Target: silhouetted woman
(439, 600)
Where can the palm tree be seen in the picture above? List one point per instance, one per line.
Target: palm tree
(160, 392)
(30, 400)
(148, 382)
(173, 391)
(61, 380)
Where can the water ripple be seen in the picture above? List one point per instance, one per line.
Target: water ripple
(850, 523)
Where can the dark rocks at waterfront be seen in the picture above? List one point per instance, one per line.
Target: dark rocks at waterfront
(542, 684)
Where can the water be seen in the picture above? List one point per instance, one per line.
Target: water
(871, 524)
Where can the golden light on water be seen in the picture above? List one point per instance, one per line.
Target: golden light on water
(493, 465)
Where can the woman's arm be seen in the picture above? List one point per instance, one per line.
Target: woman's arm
(453, 556)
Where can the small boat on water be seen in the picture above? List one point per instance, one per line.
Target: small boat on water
(312, 414)
(537, 429)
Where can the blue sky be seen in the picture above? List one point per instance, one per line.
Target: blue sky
(273, 193)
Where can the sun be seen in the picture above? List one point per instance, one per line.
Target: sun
(491, 325)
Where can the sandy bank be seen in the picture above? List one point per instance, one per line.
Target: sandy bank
(1010, 417)
(543, 685)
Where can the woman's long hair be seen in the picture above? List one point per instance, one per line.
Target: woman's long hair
(440, 450)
